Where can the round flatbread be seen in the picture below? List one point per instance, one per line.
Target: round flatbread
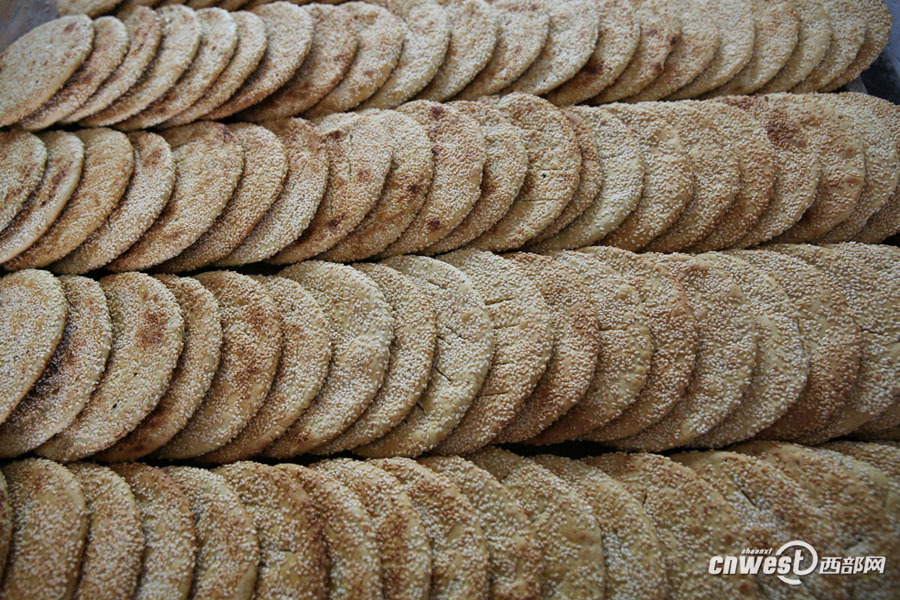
(403, 544)
(618, 39)
(351, 542)
(473, 35)
(38, 64)
(575, 351)
(878, 20)
(217, 46)
(362, 326)
(782, 364)
(292, 556)
(623, 180)
(660, 32)
(714, 169)
(886, 222)
(513, 548)
(65, 159)
(193, 374)
(777, 30)
(848, 32)
(113, 549)
(459, 152)
(249, 53)
(412, 352)
(359, 156)
(405, 190)
(110, 45)
(632, 553)
(521, 319)
(693, 521)
(293, 209)
(667, 179)
(181, 37)
(424, 50)
(883, 457)
(251, 348)
(32, 324)
(813, 40)
(262, 178)
(147, 331)
(522, 30)
(831, 338)
(737, 34)
(151, 185)
(49, 527)
(228, 552)
(167, 563)
(91, 8)
(462, 356)
(505, 168)
(289, 33)
(568, 532)
(66, 383)
(107, 169)
(626, 350)
(381, 36)
(330, 54)
(208, 161)
(145, 30)
(675, 338)
(6, 523)
(757, 170)
(459, 556)
(302, 370)
(554, 166)
(23, 158)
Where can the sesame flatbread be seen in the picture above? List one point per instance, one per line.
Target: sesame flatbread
(49, 523)
(66, 383)
(620, 34)
(505, 167)
(33, 305)
(227, 559)
(886, 222)
(111, 41)
(38, 64)
(883, 457)
(359, 156)
(180, 40)
(813, 40)
(208, 161)
(65, 160)
(147, 331)
(554, 166)
(675, 338)
(262, 178)
(293, 209)
(217, 46)
(249, 53)
(412, 352)
(878, 20)
(167, 563)
(667, 179)
(521, 320)
(459, 151)
(575, 351)
(289, 32)
(381, 36)
(114, 546)
(623, 180)
(197, 365)
(522, 29)
(848, 32)
(91, 8)
(331, 51)
(6, 523)
(251, 348)
(151, 185)
(404, 192)
(302, 370)
(473, 35)
(362, 326)
(107, 168)
(23, 157)
(462, 356)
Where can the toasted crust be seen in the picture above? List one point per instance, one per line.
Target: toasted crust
(886, 222)
(813, 41)
(848, 32)
(23, 157)
(878, 20)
